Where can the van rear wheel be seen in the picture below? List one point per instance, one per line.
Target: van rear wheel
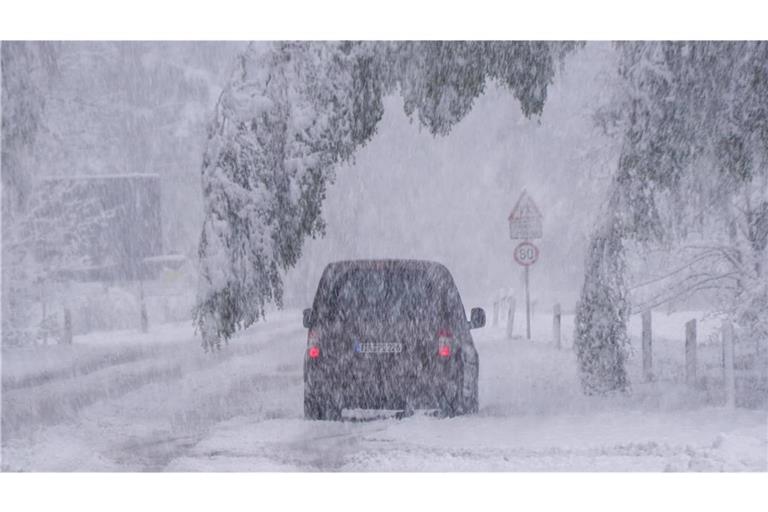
(465, 401)
(470, 396)
(317, 408)
(472, 404)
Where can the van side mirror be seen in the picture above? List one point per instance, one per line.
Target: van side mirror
(307, 318)
(477, 318)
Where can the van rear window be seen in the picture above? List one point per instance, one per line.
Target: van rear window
(393, 294)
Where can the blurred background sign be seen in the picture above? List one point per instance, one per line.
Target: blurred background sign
(525, 219)
(115, 223)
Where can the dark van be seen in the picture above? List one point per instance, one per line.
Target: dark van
(389, 334)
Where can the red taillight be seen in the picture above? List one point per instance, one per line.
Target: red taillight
(313, 338)
(443, 342)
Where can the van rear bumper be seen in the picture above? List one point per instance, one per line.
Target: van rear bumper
(378, 388)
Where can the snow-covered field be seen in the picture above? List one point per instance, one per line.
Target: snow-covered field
(123, 401)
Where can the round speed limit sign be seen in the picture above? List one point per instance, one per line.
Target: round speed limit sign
(526, 254)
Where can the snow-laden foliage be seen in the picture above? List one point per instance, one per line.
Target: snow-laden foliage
(439, 81)
(291, 113)
(138, 107)
(282, 124)
(41, 246)
(26, 69)
(92, 108)
(602, 313)
(692, 179)
(694, 120)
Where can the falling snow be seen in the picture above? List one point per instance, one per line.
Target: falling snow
(296, 256)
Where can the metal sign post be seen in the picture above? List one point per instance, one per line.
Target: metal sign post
(527, 304)
(526, 255)
(525, 222)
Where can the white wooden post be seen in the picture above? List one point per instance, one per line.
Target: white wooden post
(66, 335)
(690, 352)
(729, 377)
(510, 318)
(647, 346)
(556, 327)
(143, 317)
(45, 313)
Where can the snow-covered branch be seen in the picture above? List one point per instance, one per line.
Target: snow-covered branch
(291, 113)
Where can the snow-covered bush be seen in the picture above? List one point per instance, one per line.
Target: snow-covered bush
(601, 341)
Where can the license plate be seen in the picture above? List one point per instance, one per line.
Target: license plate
(378, 348)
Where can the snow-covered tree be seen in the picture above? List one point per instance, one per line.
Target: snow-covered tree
(602, 313)
(136, 107)
(27, 68)
(83, 108)
(692, 179)
(43, 245)
(290, 114)
(282, 124)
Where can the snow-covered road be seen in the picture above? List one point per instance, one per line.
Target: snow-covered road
(125, 401)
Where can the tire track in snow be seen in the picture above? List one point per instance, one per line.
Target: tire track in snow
(105, 403)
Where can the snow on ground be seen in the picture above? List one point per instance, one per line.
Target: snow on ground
(126, 401)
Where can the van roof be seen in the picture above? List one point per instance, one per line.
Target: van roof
(384, 263)
(336, 274)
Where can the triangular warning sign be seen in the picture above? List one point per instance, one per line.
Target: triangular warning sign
(525, 208)
(525, 219)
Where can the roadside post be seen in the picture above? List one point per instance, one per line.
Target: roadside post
(66, 337)
(143, 317)
(525, 223)
(690, 352)
(729, 377)
(510, 318)
(556, 319)
(647, 337)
